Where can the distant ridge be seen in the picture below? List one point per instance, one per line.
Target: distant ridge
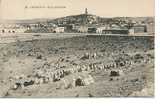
(27, 21)
(74, 19)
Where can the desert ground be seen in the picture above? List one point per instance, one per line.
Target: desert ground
(76, 65)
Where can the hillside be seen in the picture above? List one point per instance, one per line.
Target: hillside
(84, 19)
(79, 19)
(61, 60)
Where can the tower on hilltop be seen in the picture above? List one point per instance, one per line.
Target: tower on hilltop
(85, 17)
(86, 11)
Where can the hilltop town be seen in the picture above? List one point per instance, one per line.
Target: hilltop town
(82, 23)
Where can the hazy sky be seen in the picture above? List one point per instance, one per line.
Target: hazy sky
(15, 9)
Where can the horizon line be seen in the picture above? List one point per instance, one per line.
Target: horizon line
(51, 18)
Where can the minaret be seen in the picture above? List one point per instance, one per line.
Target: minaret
(85, 20)
(86, 11)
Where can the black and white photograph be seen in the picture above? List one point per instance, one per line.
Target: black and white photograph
(77, 48)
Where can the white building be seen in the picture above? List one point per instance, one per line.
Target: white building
(59, 29)
(100, 29)
(81, 29)
(13, 30)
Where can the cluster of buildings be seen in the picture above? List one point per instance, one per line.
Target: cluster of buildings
(109, 29)
(83, 23)
(101, 29)
(12, 28)
(104, 29)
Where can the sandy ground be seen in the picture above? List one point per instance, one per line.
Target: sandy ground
(13, 37)
(21, 58)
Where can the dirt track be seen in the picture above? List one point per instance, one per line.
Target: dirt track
(21, 58)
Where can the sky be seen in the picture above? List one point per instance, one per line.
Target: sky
(15, 9)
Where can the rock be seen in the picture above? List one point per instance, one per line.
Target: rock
(10, 79)
(83, 68)
(23, 82)
(111, 79)
(88, 80)
(15, 87)
(18, 85)
(46, 80)
(39, 56)
(2, 81)
(85, 56)
(77, 95)
(16, 77)
(41, 81)
(56, 77)
(79, 82)
(36, 81)
(28, 83)
(116, 73)
(67, 84)
(94, 55)
(77, 79)
(90, 95)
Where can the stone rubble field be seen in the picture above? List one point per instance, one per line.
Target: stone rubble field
(83, 66)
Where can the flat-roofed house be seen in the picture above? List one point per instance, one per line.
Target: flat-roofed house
(140, 28)
(59, 30)
(92, 30)
(100, 29)
(81, 29)
(151, 28)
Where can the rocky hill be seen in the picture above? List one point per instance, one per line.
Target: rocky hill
(84, 19)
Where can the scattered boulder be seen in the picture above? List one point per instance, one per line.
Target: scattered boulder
(23, 82)
(38, 81)
(79, 82)
(85, 56)
(115, 73)
(77, 79)
(28, 83)
(94, 55)
(39, 56)
(150, 56)
(90, 95)
(138, 56)
(87, 79)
